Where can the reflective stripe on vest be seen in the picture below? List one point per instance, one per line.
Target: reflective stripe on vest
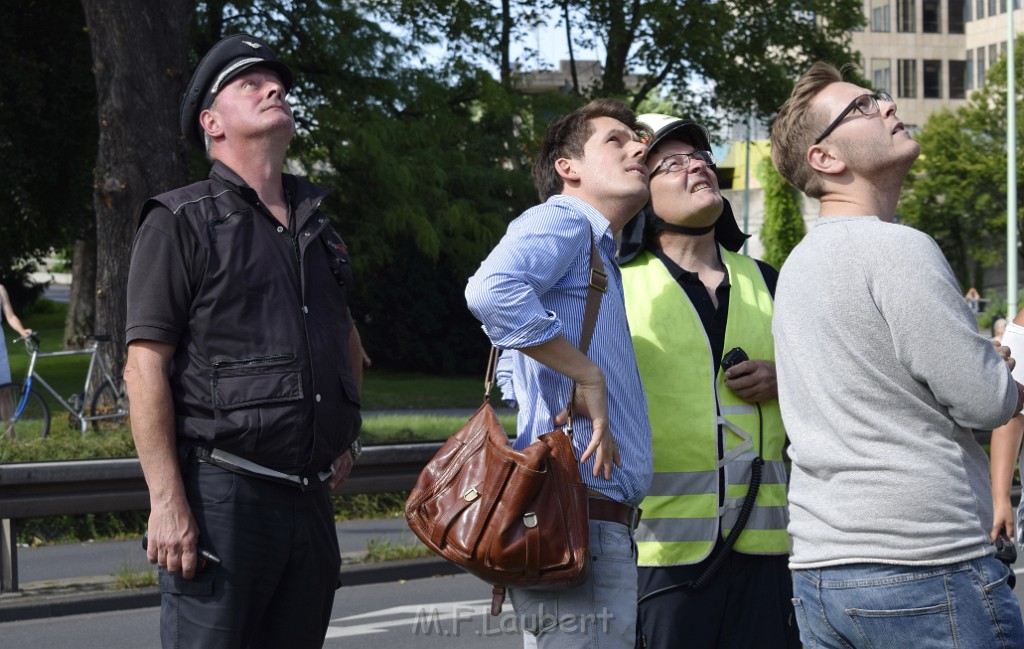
(689, 408)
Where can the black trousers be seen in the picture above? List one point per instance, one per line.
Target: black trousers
(279, 566)
(748, 603)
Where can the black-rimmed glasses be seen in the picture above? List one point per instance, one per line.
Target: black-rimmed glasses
(676, 162)
(866, 105)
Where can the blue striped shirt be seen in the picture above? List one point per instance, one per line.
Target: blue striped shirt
(532, 288)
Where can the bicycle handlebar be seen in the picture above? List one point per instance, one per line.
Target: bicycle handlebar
(31, 341)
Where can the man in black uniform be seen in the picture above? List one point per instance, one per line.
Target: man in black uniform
(244, 391)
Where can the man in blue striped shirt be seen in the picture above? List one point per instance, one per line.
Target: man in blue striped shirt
(530, 295)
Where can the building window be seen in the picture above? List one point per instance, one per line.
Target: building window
(905, 10)
(993, 54)
(957, 79)
(930, 16)
(881, 74)
(1002, 6)
(969, 70)
(959, 13)
(908, 79)
(979, 9)
(932, 79)
(992, 7)
(981, 67)
(880, 15)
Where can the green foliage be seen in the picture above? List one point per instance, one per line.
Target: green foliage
(48, 127)
(385, 550)
(956, 191)
(783, 219)
(426, 165)
(382, 505)
(135, 574)
(396, 428)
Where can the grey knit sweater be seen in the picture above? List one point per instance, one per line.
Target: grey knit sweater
(882, 377)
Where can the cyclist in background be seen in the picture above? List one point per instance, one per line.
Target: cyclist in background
(6, 403)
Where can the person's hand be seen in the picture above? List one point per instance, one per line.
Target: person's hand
(1004, 353)
(753, 380)
(1002, 519)
(590, 400)
(173, 535)
(342, 466)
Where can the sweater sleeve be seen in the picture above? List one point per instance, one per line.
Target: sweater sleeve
(934, 333)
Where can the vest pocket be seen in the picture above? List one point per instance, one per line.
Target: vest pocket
(230, 392)
(256, 394)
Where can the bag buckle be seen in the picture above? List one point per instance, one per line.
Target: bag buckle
(471, 495)
(530, 519)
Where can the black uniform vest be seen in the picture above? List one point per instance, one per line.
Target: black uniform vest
(263, 369)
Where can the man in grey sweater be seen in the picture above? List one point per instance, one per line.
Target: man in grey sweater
(882, 377)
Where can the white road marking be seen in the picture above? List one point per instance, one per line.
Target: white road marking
(445, 619)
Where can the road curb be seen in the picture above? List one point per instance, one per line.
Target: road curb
(26, 605)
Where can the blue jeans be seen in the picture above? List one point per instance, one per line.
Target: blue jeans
(964, 605)
(599, 613)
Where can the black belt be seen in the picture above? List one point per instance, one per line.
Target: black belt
(237, 464)
(604, 509)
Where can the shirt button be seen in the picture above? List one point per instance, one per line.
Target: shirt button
(305, 481)
(319, 220)
(280, 229)
(318, 398)
(306, 233)
(305, 309)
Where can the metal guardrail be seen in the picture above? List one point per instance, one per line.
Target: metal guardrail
(37, 489)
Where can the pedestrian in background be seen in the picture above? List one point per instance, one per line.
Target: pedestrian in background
(7, 396)
(1005, 445)
(243, 372)
(883, 376)
(530, 295)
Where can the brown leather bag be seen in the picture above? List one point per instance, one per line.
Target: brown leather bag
(512, 518)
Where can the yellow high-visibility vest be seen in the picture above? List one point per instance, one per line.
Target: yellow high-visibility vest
(693, 415)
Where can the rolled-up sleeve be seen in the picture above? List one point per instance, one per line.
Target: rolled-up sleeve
(505, 293)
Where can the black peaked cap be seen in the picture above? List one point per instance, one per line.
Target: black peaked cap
(226, 60)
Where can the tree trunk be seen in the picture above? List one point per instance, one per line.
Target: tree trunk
(82, 303)
(621, 23)
(139, 54)
(504, 44)
(568, 41)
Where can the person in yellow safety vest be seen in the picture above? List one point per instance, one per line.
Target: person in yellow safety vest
(712, 541)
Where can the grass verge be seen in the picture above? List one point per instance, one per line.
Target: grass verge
(384, 550)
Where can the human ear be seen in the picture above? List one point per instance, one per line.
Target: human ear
(208, 120)
(566, 169)
(822, 159)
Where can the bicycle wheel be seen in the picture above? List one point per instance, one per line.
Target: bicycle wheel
(109, 399)
(34, 418)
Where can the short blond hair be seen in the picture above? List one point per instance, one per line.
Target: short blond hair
(797, 125)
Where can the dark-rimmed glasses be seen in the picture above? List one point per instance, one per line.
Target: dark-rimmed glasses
(676, 162)
(866, 105)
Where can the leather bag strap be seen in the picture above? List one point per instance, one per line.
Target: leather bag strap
(595, 292)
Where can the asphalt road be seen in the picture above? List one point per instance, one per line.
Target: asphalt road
(106, 558)
(437, 613)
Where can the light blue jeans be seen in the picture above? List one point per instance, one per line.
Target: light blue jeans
(599, 613)
(964, 605)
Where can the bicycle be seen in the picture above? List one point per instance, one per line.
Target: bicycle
(24, 410)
